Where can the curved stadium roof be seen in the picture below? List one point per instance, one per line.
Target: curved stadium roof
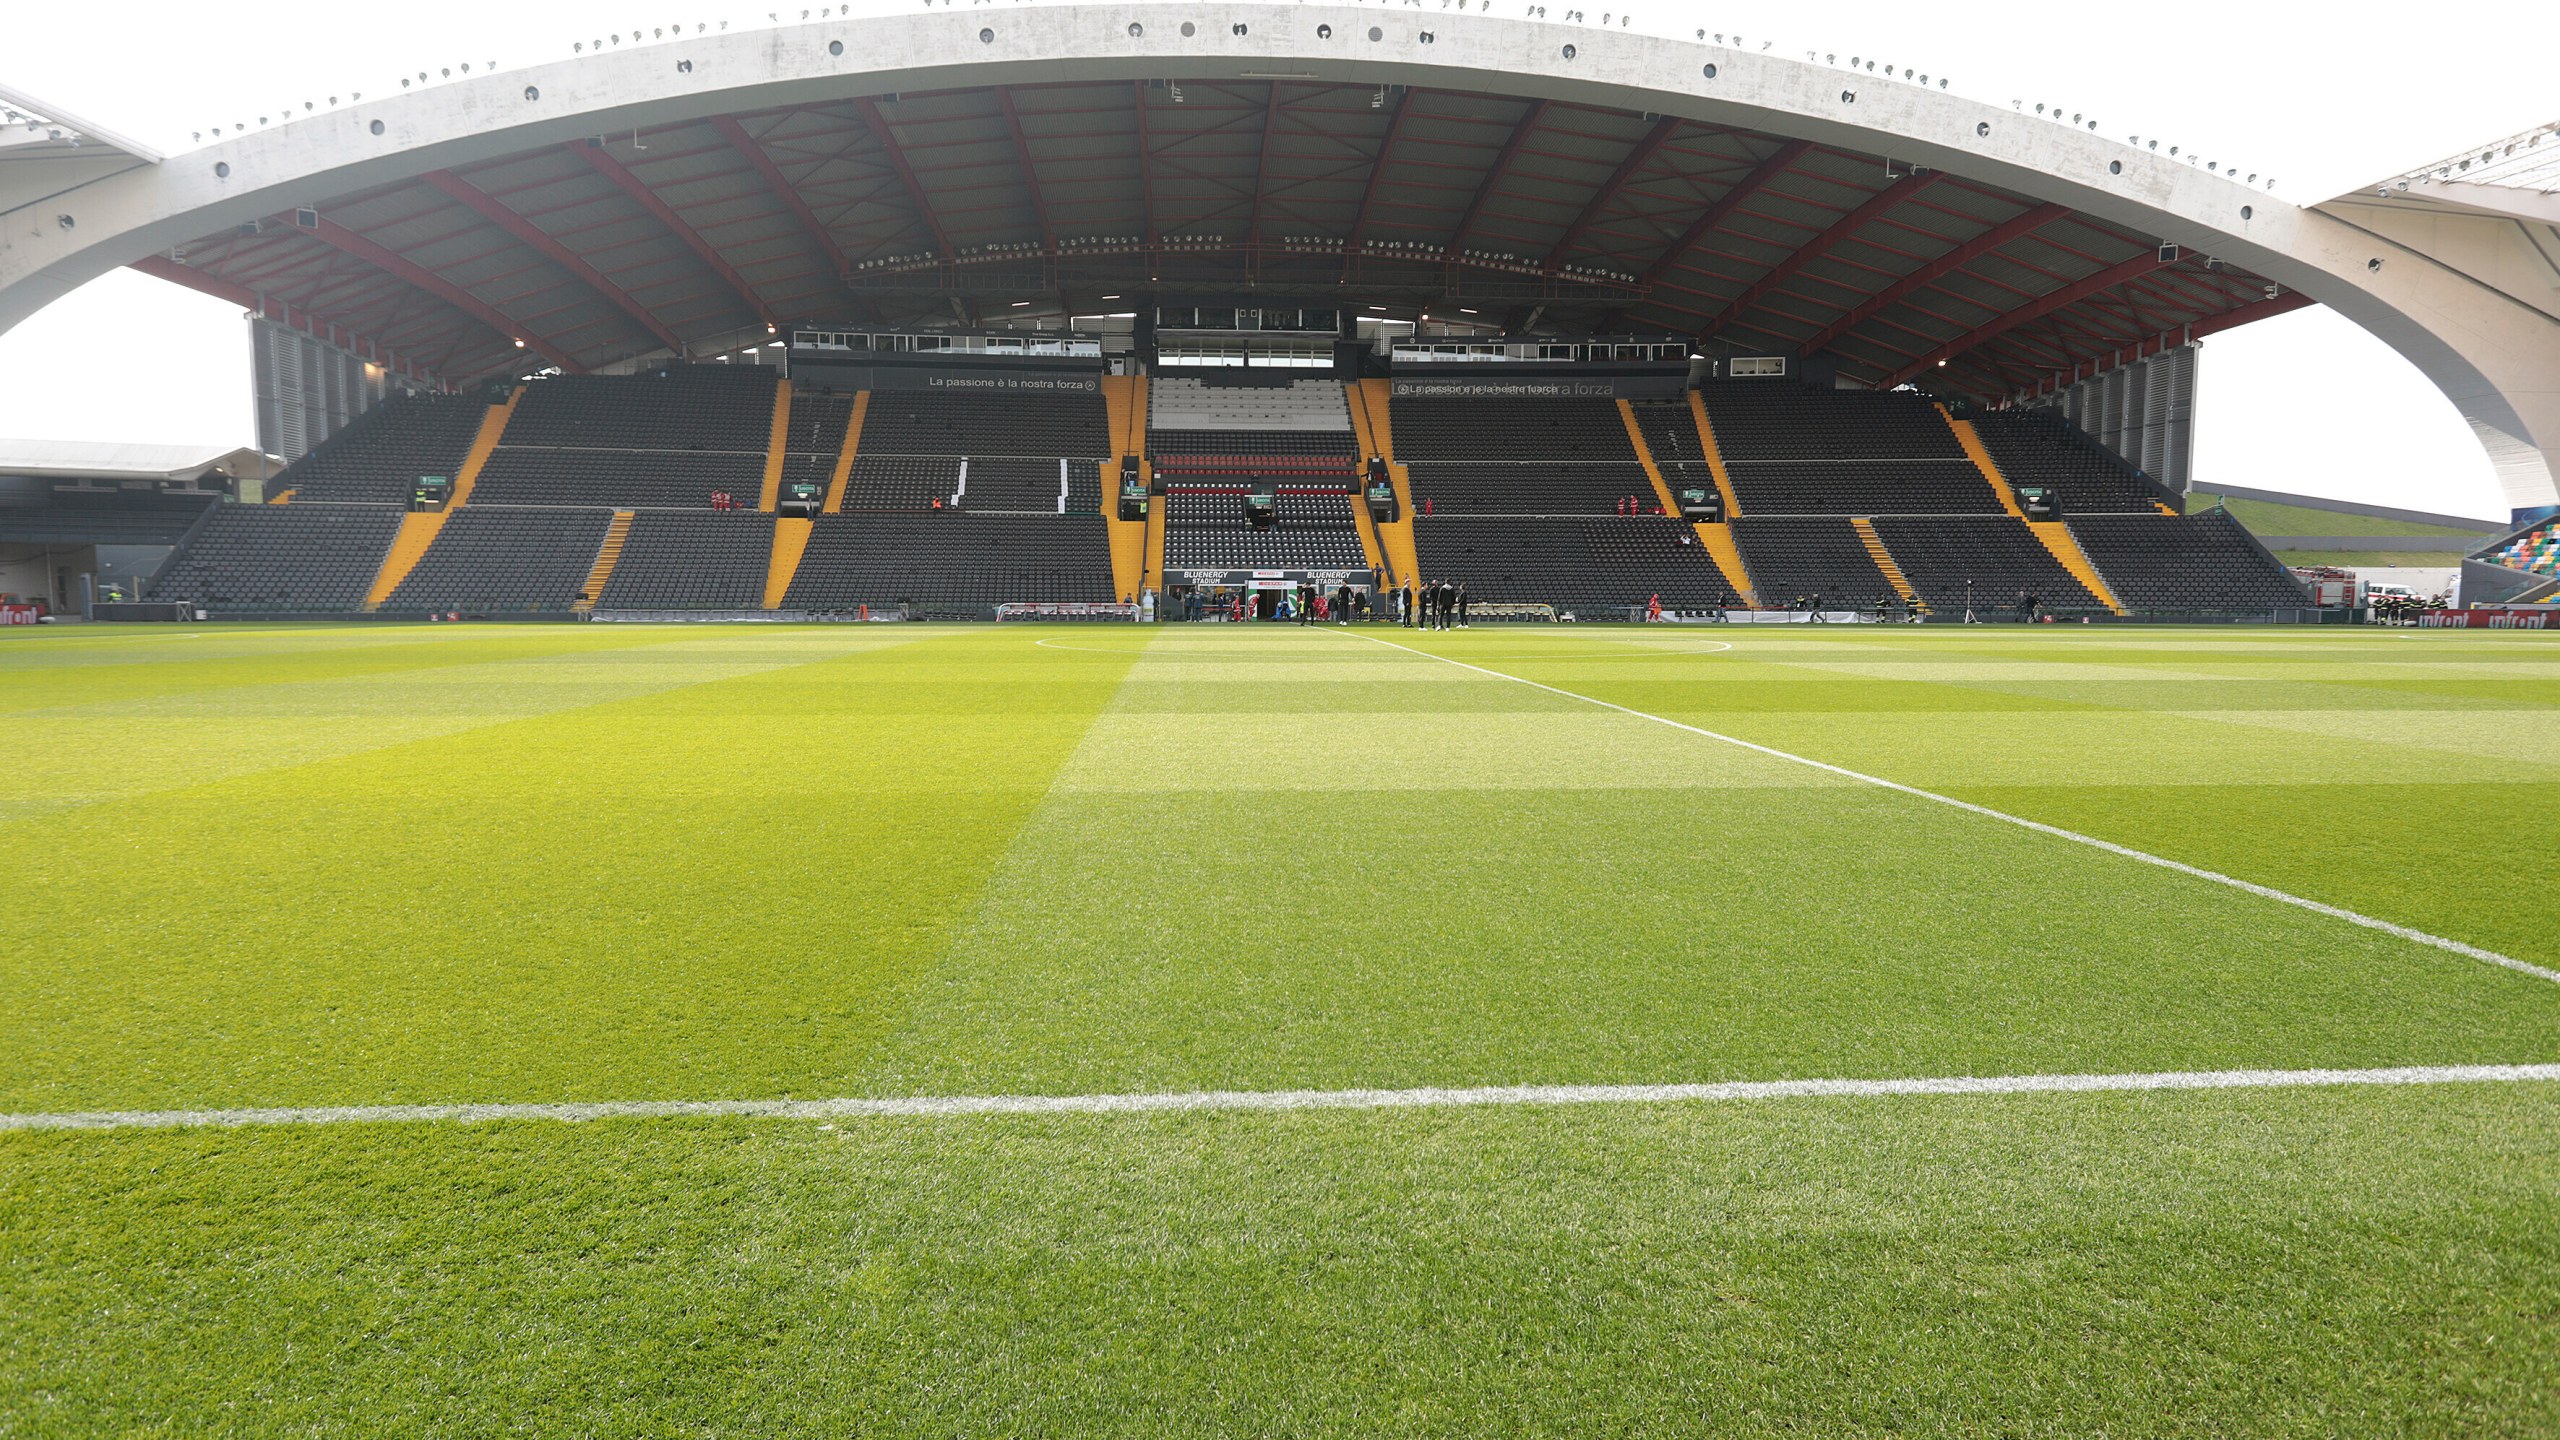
(889, 209)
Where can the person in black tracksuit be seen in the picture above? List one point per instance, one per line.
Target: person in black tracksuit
(1462, 604)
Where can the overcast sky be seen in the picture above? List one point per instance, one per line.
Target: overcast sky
(2324, 97)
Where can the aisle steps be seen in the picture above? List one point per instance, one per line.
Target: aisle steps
(606, 554)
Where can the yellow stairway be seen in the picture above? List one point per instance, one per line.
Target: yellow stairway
(282, 497)
(1370, 546)
(1980, 455)
(592, 589)
(2057, 537)
(1728, 557)
(1124, 397)
(419, 528)
(790, 542)
(1376, 433)
(1717, 538)
(1884, 561)
(844, 454)
(777, 444)
(1715, 457)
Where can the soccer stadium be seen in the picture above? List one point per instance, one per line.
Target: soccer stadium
(1276, 719)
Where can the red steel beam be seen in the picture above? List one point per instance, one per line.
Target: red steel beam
(2051, 301)
(330, 232)
(1030, 177)
(906, 173)
(1936, 270)
(487, 207)
(1819, 246)
(1494, 173)
(1724, 205)
(592, 152)
(1601, 199)
(161, 267)
(598, 160)
(784, 191)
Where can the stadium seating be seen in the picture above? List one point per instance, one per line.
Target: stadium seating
(1597, 566)
(1583, 431)
(504, 560)
(938, 422)
(682, 407)
(2039, 447)
(691, 560)
(1775, 420)
(916, 443)
(2536, 550)
(280, 558)
(1328, 443)
(1295, 438)
(901, 482)
(1538, 456)
(1795, 558)
(2185, 564)
(1988, 559)
(379, 458)
(617, 479)
(1669, 430)
(1537, 487)
(1179, 403)
(1862, 487)
(1205, 531)
(1084, 487)
(1020, 484)
(953, 563)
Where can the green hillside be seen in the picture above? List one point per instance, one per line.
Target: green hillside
(2265, 517)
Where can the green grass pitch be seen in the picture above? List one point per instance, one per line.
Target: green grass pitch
(360, 866)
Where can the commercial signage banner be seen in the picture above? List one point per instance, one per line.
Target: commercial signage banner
(1537, 387)
(951, 380)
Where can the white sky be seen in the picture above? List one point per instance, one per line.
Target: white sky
(2325, 97)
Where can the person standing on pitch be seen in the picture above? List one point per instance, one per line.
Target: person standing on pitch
(1462, 604)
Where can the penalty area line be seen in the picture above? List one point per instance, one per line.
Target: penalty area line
(2264, 892)
(949, 1106)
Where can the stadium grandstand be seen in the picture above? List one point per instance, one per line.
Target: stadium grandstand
(1582, 331)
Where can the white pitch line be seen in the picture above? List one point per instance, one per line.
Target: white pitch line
(947, 1106)
(2265, 892)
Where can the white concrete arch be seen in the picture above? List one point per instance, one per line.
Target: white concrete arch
(2491, 346)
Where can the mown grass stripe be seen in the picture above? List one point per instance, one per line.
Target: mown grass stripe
(1429, 1097)
(2266, 892)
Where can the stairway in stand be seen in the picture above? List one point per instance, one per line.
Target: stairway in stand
(606, 554)
(1868, 537)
